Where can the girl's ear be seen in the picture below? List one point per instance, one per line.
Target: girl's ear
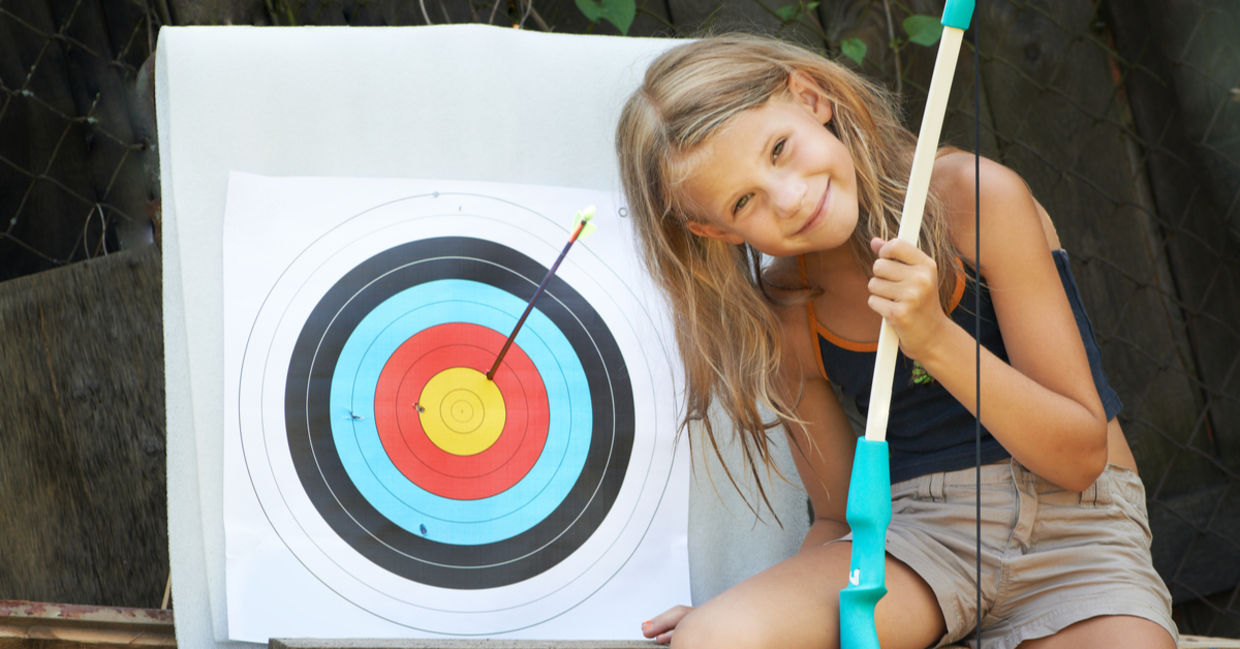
(713, 232)
(808, 93)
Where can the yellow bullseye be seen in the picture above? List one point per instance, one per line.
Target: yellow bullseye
(461, 411)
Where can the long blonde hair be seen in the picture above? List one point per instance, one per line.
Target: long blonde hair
(728, 335)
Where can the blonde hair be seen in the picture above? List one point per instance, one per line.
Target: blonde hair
(728, 335)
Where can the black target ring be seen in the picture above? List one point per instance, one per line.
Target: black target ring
(404, 552)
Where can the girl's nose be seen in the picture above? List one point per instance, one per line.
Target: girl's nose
(789, 198)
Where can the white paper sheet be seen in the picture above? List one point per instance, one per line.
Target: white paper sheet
(573, 549)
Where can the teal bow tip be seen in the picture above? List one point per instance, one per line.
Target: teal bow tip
(957, 13)
(868, 514)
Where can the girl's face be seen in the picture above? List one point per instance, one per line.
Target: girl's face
(776, 178)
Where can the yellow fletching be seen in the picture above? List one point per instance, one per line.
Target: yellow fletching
(584, 215)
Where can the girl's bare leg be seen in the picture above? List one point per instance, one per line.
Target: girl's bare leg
(795, 605)
(1114, 631)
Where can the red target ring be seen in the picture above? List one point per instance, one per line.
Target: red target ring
(407, 444)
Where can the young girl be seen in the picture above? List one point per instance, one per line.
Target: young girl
(738, 149)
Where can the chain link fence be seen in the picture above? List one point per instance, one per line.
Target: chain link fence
(1125, 121)
(77, 155)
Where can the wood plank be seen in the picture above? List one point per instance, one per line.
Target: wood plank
(1203, 642)
(26, 624)
(82, 489)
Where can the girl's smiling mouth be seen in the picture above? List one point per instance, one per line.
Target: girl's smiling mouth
(819, 209)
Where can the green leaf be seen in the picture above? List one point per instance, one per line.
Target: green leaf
(789, 13)
(923, 29)
(793, 12)
(617, 12)
(853, 48)
(592, 10)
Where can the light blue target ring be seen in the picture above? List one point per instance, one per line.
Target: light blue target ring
(446, 520)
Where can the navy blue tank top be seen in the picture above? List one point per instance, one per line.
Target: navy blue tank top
(928, 429)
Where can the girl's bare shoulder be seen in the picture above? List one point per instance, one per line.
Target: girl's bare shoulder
(1004, 197)
(957, 173)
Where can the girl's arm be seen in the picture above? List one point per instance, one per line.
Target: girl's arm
(823, 458)
(822, 447)
(1043, 406)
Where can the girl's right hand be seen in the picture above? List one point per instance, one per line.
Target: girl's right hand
(904, 291)
(660, 628)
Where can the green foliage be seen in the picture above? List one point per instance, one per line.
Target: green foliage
(793, 12)
(617, 12)
(922, 29)
(282, 10)
(854, 48)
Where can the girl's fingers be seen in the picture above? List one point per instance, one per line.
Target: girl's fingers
(660, 627)
(877, 244)
(884, 288)
(898, 281)
(902, 271)
(900, 251)
(660, 637)
(894, 249)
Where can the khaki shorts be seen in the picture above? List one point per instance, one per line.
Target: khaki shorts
(1050, 557)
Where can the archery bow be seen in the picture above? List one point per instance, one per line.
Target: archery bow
(869, 492)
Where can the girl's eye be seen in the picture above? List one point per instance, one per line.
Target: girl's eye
(779, 148)
(744, 200)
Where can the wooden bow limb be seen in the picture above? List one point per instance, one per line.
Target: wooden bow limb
(869, 492)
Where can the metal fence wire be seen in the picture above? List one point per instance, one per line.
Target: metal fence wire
(1123, 117)
(77, 155)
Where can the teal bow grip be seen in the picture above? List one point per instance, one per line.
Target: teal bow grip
(868, 514)
(957, 13)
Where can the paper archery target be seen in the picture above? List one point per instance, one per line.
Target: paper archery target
(399, 474)
(453, 529)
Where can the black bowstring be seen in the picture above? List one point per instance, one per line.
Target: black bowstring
(977, 317)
